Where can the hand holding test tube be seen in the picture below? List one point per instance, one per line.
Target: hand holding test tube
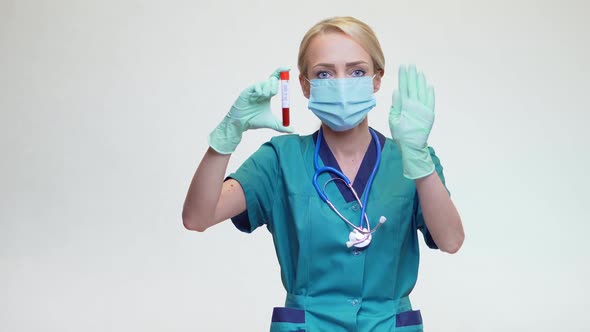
(251, 110)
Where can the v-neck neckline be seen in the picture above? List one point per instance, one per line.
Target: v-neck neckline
(364, 171)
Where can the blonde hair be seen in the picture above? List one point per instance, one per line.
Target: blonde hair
(350, 26)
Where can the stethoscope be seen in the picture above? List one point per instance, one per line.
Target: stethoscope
(361, 235)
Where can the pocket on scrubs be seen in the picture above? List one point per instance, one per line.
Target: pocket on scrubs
(408, 321)
(287, 320)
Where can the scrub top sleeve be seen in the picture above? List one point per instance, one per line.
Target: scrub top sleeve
(257, 176)
(418, 216)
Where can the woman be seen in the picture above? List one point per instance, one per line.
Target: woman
(341, 271)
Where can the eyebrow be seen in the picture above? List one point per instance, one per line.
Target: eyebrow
(348, 64)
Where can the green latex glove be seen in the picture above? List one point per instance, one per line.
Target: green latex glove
(410, 121)
(250, 111)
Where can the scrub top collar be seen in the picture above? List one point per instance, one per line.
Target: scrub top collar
(364, 172)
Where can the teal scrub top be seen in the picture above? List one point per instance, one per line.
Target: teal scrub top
(331, 287)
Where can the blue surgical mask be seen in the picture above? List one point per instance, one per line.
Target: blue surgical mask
(341, 103)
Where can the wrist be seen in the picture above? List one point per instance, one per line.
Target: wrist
(417, 162)
(226, 136)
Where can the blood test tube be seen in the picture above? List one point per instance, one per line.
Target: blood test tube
(285, 97)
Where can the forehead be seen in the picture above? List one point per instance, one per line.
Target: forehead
(335, 48)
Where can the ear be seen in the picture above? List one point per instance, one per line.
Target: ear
(377, 80)
(304, 86)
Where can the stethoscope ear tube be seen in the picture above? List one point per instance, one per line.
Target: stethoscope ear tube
(317, 188)
(324, 170)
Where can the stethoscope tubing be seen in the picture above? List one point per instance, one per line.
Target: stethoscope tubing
(340, 176)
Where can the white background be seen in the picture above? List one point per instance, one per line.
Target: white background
(105, 111)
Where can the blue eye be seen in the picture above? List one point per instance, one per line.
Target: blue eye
(358, 73)
(323, 75)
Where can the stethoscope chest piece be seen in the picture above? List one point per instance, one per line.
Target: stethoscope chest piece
(358, 239)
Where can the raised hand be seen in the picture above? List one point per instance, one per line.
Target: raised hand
(410, 121)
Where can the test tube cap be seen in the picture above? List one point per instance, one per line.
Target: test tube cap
(284, 76)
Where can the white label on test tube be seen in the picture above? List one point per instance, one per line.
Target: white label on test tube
(285, 94)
